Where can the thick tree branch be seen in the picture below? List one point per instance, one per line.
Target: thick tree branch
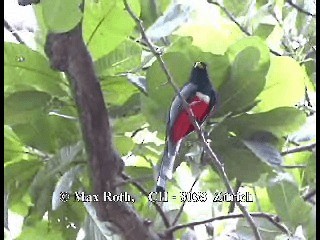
(205, 144)
(13, 32)
(271, 218)
(68, 53)
(300, 9)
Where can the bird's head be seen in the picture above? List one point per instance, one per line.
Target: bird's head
(199, 74)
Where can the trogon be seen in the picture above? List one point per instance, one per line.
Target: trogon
(201, 97)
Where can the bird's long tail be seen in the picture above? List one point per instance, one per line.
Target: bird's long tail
(166, 168)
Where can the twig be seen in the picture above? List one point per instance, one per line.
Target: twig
(13, 32)
(300, 9)
(237, 23)
(144, 192)
(299, 149)
(293, 166)
(271, 218)
(185, 105)
(232, 18)
(182, 206)
(256, 197)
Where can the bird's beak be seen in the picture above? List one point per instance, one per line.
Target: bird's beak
(200, 65)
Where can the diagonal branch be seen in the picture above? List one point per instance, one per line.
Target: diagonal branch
(300, 9)
(144, 192)
(271, 218)
(236, 22)
(13, 32)
(205, 144)
(299, 149)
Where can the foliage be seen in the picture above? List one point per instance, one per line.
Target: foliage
(259, 106)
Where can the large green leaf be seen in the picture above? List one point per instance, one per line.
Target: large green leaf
(26, 70)
(250, 58)
(61, 16)
(284, 194)
(239, 162)
(279, 121)
(123, 59)
(13, 147)
(285, 84)
(47, 133)
(117, 90)
(216, 40)
(128, 124)
(38, 231)
(21, 107)
(123, 144)
(106, 24)
(266, 228)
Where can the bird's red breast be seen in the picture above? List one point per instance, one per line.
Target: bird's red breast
(200, 108)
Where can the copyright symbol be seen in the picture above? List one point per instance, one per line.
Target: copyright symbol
(64, 196)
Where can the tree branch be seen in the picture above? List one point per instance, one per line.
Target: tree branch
(67, 52)
(13, 32)
(236, 22)
(299, 149)
(205, 144)
(271, 218)
(300, 9)
(144, 192)
(236, 189)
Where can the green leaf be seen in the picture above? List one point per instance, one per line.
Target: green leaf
(250, 58)
(128, 124)
(14, 150)
(21, 107)
(216, 40)
(284, 194)
(309, 177)
(20, 171)
(123, 144)
(28, 70)
(267, 229)
(239, 161)
(39, 229)
(238, 8)
(61, 16)
(117, 90)
(122, 59)
(263, 30)
(279, 121)
(106, 24)
(285, 84)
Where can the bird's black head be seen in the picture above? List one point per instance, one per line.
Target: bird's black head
(199, 75)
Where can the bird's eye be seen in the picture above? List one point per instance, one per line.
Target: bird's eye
(200, 65)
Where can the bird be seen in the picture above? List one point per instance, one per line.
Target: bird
(201, 96)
